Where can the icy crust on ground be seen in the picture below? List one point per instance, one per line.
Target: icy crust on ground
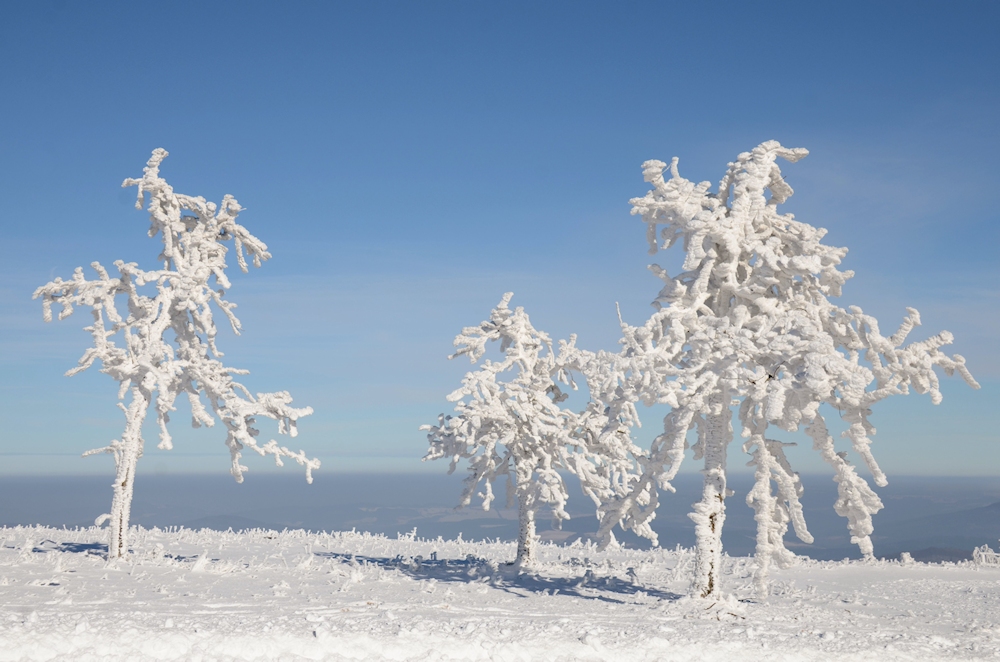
(259, 595)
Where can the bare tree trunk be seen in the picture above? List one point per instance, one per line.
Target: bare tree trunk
(527, 541)
(710, 513)
(125, 460)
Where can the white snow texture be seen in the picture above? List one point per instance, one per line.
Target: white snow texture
(293, 595)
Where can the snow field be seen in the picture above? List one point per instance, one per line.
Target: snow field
(262, 595)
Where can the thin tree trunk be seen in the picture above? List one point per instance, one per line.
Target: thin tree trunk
(764, 504)
(125, 460)
(526, 539)
(710, 513)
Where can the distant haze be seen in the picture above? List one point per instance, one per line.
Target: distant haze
(944, 518)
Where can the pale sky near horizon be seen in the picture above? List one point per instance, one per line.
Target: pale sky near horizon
(407, 163)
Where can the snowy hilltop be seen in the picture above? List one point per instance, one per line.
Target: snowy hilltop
(296, 595)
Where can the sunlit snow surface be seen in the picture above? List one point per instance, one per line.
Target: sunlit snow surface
(206, 595)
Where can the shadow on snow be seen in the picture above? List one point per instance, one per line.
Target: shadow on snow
(96, 548)
(469, 570)
(501, 576)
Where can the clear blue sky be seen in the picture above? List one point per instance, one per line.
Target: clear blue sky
(408, 162)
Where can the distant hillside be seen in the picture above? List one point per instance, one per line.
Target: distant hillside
(961, 530)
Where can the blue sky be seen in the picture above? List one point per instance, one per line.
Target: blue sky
(407, 163)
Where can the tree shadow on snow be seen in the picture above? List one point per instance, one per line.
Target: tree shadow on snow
(96, 548)
(476, 570)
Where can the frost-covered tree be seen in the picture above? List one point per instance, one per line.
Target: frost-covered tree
(509, 422)
(162, 344)
(749, 323)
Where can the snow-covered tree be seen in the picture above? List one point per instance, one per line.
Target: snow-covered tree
(749, 323)
(509, 422)
(162, 345)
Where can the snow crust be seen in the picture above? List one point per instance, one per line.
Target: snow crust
(260, 595)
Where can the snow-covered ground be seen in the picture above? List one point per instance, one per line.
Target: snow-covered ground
(207, 595)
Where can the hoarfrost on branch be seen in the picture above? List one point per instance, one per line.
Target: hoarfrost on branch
(508, 422)
(748, 322)
(162, 345)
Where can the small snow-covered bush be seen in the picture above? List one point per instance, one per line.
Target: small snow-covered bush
(985, 556)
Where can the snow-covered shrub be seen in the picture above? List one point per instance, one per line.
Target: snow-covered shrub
(985, 556)
(749, 323)
(509, 422)
(163, 343)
